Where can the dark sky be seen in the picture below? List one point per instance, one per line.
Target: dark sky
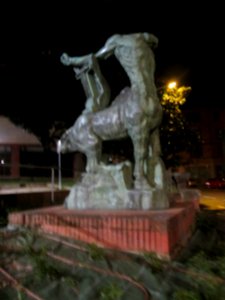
(33, 36)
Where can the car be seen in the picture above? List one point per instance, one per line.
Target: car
(215, 183)
(192, 182)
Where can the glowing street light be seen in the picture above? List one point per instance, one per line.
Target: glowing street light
(171, 85)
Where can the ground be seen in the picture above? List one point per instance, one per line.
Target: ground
(34, 265)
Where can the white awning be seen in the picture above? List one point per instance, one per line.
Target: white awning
(13, 134)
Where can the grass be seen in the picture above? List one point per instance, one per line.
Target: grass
(52, 270)
(50, 267)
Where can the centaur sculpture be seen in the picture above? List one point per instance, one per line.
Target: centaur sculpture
(136, 112)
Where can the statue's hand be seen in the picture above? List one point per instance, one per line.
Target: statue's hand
(65, 59)
(80, 71)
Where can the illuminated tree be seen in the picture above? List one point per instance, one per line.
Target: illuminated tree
(176, 133)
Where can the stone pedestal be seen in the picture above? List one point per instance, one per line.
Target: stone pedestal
(164, 232)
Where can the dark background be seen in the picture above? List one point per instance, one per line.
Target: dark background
(33, 36)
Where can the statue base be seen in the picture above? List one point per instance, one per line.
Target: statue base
(164, 232)
(111, 187)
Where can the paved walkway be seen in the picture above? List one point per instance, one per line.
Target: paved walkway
(10, 190)
(24, 190)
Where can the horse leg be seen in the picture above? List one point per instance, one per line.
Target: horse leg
(140, 144)
(155, 169)
(93, 156)
(92, 163)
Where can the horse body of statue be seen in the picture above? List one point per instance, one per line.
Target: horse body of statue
(123, 118)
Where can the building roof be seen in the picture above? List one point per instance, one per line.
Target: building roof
(13, 134)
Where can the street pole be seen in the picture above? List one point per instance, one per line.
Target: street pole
(52, 184)
(59, 165)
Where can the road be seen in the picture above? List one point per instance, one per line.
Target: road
(213, 199)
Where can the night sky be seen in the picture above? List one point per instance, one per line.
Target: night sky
(191, 50)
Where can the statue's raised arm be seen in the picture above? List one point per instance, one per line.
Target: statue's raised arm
(109, 47)
(95, 86)
(75, 61)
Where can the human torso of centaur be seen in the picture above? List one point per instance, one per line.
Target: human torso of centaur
(137, 59)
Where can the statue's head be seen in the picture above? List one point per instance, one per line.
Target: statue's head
(66, 144)
(151, 39)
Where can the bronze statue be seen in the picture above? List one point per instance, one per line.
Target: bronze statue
(136, 112)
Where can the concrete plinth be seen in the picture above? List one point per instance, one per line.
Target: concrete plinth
(162, 231)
